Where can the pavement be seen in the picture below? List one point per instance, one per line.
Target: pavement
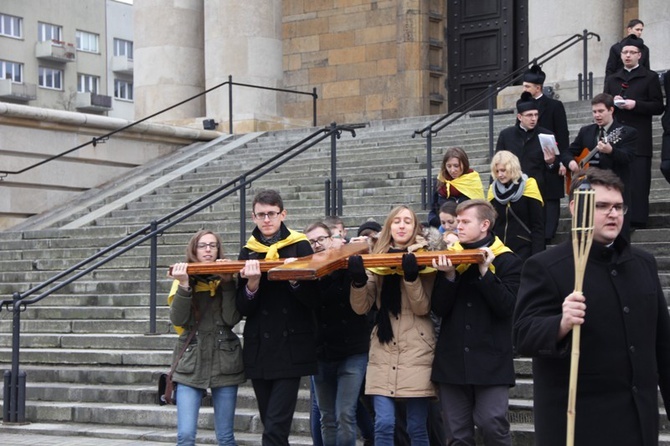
(19, 439)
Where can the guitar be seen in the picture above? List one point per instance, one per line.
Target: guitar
(586, 155)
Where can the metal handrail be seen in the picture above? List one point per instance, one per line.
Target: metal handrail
(459, 111)
(94, 141)
(14, 407)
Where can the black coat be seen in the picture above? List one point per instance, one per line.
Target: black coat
(279, 339)
(340, 331)
(625, 345)
(614, 62)
(645, 88)
(526, 146)
(474, 346)
(512, 233)
(552, 117)
(622, 155)
(665, 120)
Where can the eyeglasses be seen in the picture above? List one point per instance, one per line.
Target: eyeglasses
(320, 240)
(530, 115)
(627, 53)
(269, 215)
(212, 245)
(606, 208)
(336, 236)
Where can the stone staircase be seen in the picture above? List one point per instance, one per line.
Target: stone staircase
(92, 366)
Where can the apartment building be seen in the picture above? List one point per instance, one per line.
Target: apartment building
(74, 55)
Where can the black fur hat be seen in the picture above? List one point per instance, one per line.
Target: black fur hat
(632, 40)
(534, 75)
(525, 103)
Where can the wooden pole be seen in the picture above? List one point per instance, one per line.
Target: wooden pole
(582, 238)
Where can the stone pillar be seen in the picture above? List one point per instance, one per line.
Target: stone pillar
(169, 59)
(413, 43)
(244, 39)
(656, 17)
(550, 23)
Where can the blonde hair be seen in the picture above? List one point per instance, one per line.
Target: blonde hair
(384, 240)
(511, 163)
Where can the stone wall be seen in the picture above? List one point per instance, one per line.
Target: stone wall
(368, 59)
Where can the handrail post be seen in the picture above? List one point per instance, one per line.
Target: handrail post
(491, 107)
(340, 195)
(153, 278)
(243, 211)
(14, 408)
(230, 104)
(326, 197)
(314, 98)
(429, 167)
(585, 46)
(333, 169)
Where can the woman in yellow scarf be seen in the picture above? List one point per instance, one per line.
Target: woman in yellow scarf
(456, 182)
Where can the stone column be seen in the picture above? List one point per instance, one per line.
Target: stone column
(656, 17)
(169, 59)
(413, 43)
(552, 22)
(244, 39)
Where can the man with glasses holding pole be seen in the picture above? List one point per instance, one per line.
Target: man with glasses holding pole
(279, 342)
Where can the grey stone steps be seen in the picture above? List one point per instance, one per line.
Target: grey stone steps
(56, 356)
(90, 312)
(115, 326)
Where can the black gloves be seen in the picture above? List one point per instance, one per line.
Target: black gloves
(357, 272)
(410, 267)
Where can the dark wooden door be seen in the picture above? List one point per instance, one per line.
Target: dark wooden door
(486, 40)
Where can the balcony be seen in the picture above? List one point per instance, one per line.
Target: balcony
(122, 65)
(10, 90)
(91, 102)
(55, 51)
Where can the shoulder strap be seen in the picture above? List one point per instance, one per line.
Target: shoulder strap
(188, 340)
(516, 217)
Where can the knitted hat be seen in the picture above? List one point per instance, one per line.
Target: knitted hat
(534, 75)
(372, 225)
(632, 40)
(526, 103)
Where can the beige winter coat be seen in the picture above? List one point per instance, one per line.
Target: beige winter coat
(402, 367)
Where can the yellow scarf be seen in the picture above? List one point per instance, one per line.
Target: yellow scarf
(497, 247)
(531, 190)
(469, 184)
(272, 251)
(386, 270)
(199, 287)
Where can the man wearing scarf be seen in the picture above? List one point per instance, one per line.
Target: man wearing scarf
(279, 343)
(473, 363)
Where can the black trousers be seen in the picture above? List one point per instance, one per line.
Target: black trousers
(640, 185)
(277, 399)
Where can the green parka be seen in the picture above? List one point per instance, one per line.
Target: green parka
(214, 356)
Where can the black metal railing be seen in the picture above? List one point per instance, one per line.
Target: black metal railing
(15, 379)
(100, 139)
(489, 95)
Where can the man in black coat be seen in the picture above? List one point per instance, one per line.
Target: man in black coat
(625, 333)
(611, 148)
(665, 120)
(637, 96)
(552, 117)
(279, 341)
(614, 63)
(473, 363)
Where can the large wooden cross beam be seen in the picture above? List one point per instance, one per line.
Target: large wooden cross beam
(320, 264)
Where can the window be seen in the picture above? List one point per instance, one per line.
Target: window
(123, 89)
(87, 42)
(123, 48)
(50, 78)
(11, 26)
(47, 31)
(11, 70)
(88, 84)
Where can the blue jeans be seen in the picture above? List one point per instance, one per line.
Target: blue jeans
(417, 416)
(337, 386)
(188, 406)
